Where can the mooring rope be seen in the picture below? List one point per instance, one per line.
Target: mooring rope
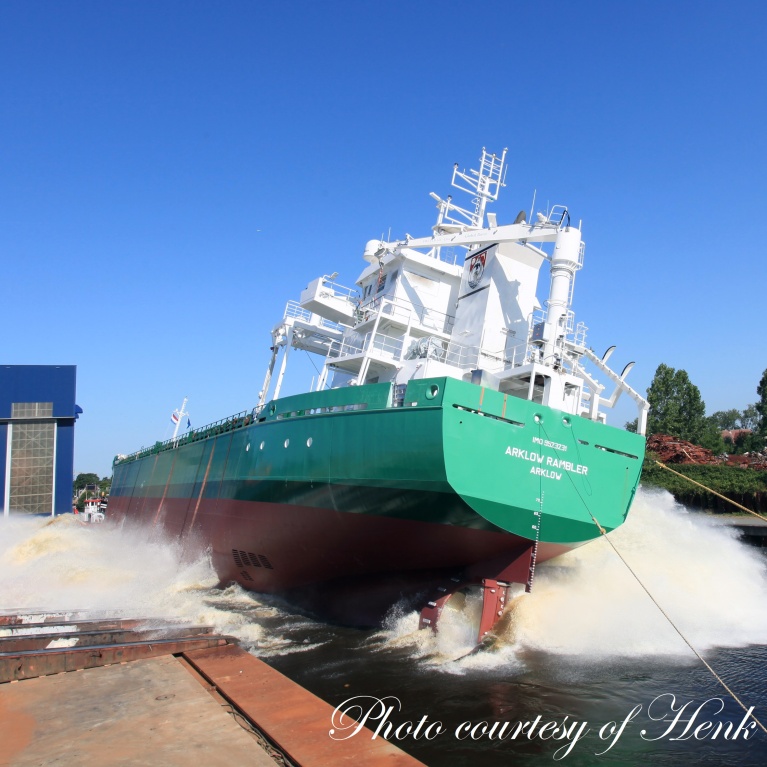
(603, 533)
(678, 630)
(718, 495)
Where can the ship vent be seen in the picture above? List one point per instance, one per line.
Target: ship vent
(488, 415)
(245, 576)
(617, 452)
(248, 559)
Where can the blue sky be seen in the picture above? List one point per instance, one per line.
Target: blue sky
(173, 172)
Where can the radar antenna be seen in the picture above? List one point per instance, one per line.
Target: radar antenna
(484, 184)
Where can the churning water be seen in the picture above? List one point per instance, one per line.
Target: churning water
(587, 660)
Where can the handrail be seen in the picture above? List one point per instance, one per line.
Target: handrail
(339, 291)
(433, 318)
(223, 425)
(295, 310)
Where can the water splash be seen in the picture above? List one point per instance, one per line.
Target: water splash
(585, 604)
(709, 583)
(588, 604)
(63, 565)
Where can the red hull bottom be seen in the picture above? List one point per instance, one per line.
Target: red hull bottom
(344, 566)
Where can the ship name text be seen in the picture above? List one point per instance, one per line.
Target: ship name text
(546, 465)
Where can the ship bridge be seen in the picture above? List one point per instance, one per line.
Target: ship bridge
(461, 302)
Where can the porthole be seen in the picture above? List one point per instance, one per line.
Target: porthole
(309, 442)
(247, 447)
(287, 442)
(262, 446)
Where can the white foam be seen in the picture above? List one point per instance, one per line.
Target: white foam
(588, 604)
(710, 584)
(65, 565)
(584, 604)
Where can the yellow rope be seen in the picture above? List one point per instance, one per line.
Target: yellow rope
(718, 495)
(678, 631)
(603, 532)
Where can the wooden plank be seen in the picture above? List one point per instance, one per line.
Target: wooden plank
(297, 721)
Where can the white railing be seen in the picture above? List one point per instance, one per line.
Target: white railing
(334, 290)
(451, 353)
(390, 306)
(324, 323)
(388, 345)
(296, 311)
(575, 334)
(348, 346)
(472, 357)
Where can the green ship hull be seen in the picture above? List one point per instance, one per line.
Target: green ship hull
(320, 488)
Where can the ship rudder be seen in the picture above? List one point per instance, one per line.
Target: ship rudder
(494, 577)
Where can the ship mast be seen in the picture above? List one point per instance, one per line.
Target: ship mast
(483, 184)
(179, 416)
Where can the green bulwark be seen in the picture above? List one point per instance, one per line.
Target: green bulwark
(448, 452)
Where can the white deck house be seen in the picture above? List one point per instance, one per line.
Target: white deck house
(461, 303)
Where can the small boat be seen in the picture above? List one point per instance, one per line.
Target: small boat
(94, 509)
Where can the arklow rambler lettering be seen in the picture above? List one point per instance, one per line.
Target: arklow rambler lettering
(547, 465)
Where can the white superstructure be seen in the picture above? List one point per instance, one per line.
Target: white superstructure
(461, 303)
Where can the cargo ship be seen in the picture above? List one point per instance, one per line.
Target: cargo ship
(455, 434)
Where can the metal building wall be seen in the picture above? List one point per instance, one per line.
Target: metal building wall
(3, 457)
(42, 383)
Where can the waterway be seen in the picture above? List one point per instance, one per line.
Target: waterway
(588, 672)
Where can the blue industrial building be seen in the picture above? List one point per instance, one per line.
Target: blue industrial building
(37, 438)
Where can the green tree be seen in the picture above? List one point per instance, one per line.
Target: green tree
(761, 405)
(758, 439)
(676, 408)
(81, 480)
(749, 418)
(746, 443)
(711, 438)
(726, 419)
